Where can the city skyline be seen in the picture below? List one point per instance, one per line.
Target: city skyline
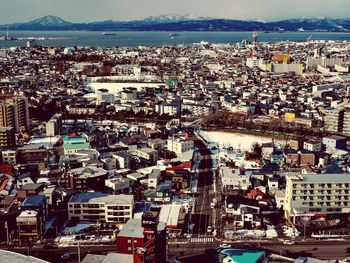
(270, 10)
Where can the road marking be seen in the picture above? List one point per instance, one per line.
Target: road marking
(202, 240)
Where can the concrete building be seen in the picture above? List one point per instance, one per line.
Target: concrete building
(232, 179)
(54, 125)
(334, 142)
(7, 137)
(101, 207)
(87, 178)
(316, 195)
(179, 146)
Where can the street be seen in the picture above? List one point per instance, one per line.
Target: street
(202, 216)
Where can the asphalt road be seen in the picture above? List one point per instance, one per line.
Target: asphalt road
(54, 255)
(202, 216)
(325, 250)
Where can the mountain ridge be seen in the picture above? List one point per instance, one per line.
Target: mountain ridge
(185, 23)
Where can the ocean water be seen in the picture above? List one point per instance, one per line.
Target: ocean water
(136, 38)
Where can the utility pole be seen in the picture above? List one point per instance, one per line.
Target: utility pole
(78, 251)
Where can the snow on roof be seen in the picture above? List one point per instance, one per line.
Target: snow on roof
(169, 214)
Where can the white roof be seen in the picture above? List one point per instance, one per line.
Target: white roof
(9, 256)
(169, 214)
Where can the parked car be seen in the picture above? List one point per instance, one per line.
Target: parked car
(209, 229)
(65, 256)
(288, 242)
(224, 245)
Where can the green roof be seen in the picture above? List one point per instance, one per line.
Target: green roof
(243, 256)
(76, 146)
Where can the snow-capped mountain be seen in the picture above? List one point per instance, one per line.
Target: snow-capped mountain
(49, 21)
(171, 18)
(187, 23)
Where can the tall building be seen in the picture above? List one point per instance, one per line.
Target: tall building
(7, 137)
(337, 120)
(54, 125)
(14, 113)
(311, 196)
(21, 103)
(8, 116)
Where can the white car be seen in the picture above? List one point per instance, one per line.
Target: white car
(288, 242)
(65, 256)
(209, 229)
(225, 245)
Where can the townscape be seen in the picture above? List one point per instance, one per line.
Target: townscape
(107, 154)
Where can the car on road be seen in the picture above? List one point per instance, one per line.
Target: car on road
(209, 229)
(65, 256)
(224, 245)
(288, 242)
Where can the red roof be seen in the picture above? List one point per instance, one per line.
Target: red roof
(3, 184)
(7, 169)
(183, 166)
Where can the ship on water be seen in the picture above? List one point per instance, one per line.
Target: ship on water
(108, 33)
(173, 35)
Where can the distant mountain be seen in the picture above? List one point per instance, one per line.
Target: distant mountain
(186, 23)
(162, 19)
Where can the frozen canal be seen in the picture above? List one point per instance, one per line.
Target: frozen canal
(237, 140)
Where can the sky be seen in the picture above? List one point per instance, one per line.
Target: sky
(97, 10)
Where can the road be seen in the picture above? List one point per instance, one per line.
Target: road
(54, 254)
(202, 216)
(325, 250)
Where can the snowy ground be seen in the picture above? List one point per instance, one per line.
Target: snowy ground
(290, 232)
(71, 239)
(237, 140)
(244, 233)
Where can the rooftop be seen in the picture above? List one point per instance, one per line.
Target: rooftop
(97, 197)
(243, 256)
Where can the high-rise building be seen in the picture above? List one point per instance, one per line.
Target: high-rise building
(54, 125)
(7, 137)
(337, 120)
(8, 116)
(14, 113)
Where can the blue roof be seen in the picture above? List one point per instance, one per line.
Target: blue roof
(35, 200)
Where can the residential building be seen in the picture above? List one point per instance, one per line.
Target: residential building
(316, 195)
(7, 137)
(54, 125)
(232, 179)
(179, 145)
(87, 178)
(101, 207)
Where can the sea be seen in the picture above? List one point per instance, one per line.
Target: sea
(137, 38)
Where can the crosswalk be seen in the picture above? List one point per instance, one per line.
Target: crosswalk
(201, 239)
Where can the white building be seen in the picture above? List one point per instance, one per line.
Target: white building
(179, 146)
(101, 207)
(232, 179)
(316, 195)
(54, 125)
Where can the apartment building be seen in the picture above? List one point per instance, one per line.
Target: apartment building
(316, 195)
(178, 145)
(54, 125)
(101, 207)
(232, 179)
(7, 137)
